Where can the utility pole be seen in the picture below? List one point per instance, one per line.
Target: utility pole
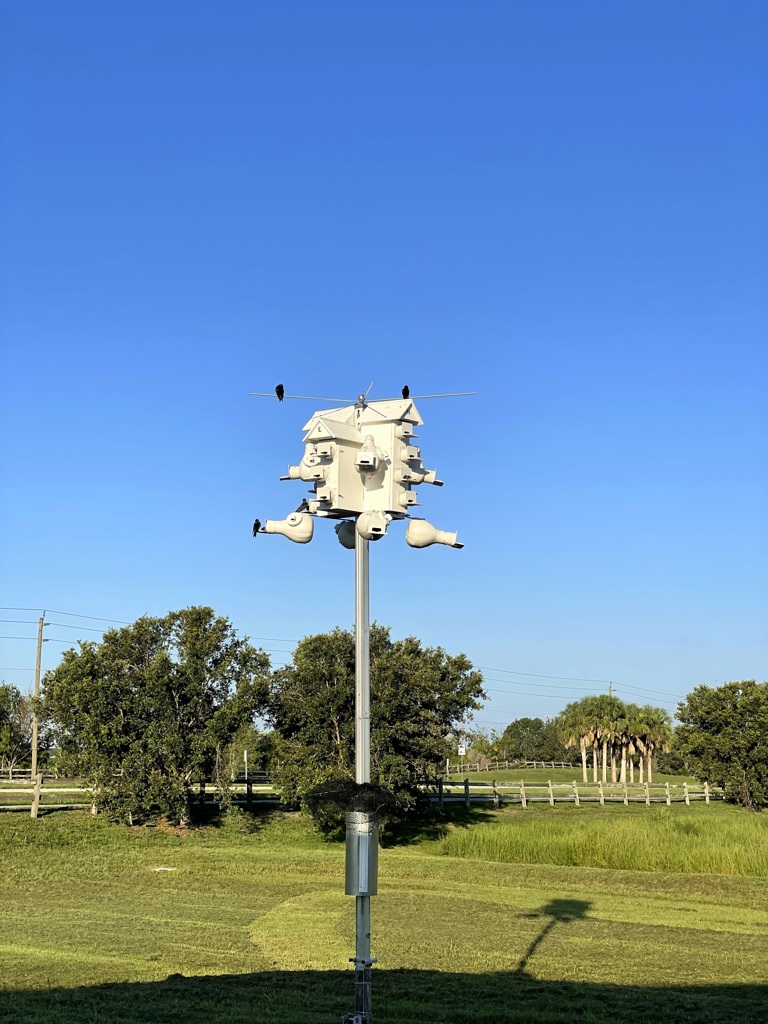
(40, 625)
(610, 689)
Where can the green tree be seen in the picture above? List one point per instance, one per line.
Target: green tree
(259, 746)
(655, 734)
(522, 739)
(483, 746)
(627, 737)
(577, 727)
(152, 707)
(419, 696)
(15, 728)
(724, 737)
(552, 747)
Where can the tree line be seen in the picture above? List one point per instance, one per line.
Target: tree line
(611, 736)
(160, 704)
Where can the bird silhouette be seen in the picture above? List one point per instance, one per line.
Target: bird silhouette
(280, 392)
(256, 526)
(406, 391)
(304, 506)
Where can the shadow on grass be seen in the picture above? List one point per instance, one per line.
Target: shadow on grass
(399, 997)
(563, 911)
(436, 826)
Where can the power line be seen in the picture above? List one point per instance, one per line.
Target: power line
(626, 687)
(273, 639)
(70, 625)
(539, 675)
(56, 611)
(545, 686)
(632, 693)
(641, 689)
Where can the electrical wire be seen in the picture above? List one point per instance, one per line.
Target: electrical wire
(56, 611)
(76, 625)
(545, 686)
(629, 689)
(641, 689)
(539, 675)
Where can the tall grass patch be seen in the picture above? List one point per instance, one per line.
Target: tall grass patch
(679, 840)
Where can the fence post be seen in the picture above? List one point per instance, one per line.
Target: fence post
(666, 787)
(575, 793)
(466, 792)
(523, 801)
(440, 794)
(551, 794)
(495, 796)
(626, 800)
(706, 792)
(248, 794)
(600, 791)
(36, 796)
(687, 794)
(647, 796)
(202, 792)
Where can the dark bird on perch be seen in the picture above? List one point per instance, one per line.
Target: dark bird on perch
(256, 526)
(280, 392)
(304, 506)
(406, 391)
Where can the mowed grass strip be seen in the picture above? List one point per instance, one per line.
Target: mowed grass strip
(253, 926)
(715, 839)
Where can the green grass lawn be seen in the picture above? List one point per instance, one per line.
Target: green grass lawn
(254, 926)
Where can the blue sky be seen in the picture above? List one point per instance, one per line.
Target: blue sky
(560, 206)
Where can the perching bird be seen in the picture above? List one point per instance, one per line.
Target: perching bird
(304, 506)
(406, 391)
(256, 526)
(280, 392)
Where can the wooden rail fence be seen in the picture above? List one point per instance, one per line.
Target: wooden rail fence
(464, 767)
(48, 794)
(523, 793)
(52, 794)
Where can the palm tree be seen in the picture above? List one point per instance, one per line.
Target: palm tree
(576, 728)
(608, 711)
(657, 725)
(627, 738)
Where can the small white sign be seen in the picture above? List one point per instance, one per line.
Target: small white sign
(462, 750)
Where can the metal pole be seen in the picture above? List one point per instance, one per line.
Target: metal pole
(362, 959)
(362, 662)
(40, 625)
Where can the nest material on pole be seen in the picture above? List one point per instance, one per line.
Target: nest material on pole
(356, 796)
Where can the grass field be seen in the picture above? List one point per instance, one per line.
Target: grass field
(698, 840)
(146, 926)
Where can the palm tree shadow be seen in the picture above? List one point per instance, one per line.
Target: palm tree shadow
(562, 911)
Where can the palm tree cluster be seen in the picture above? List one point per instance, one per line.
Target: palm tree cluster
(615, 732)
